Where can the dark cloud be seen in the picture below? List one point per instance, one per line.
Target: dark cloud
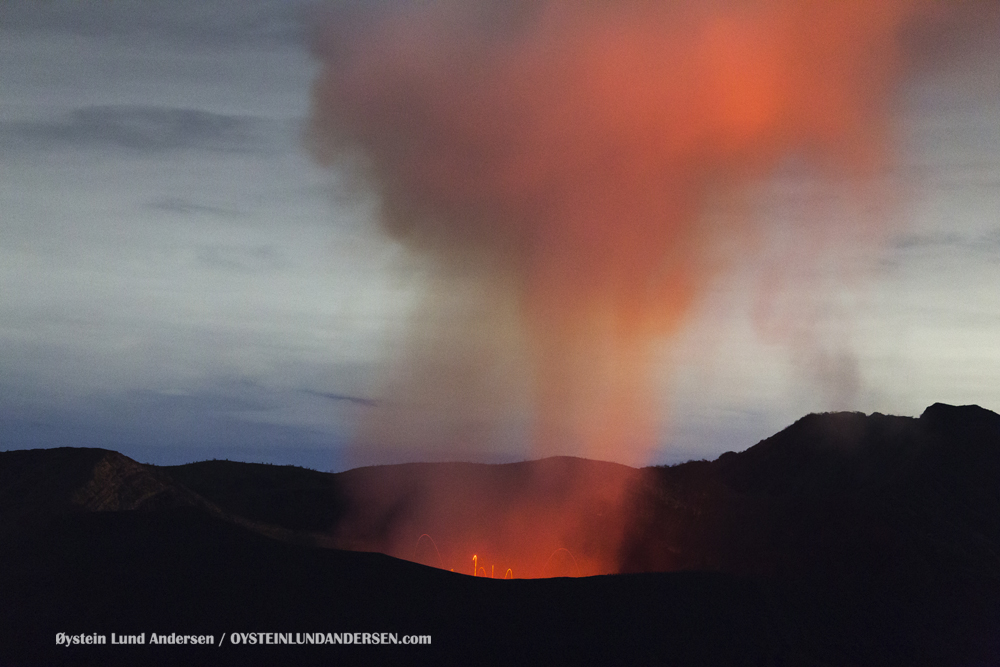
(346, 398)
(187, 22)
(984, 243)
(139, 129)
(248, 259)
(185, 207)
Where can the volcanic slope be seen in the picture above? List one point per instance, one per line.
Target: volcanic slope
(832, 492)
(844, 539)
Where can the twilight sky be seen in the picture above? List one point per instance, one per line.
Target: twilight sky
(179, 280)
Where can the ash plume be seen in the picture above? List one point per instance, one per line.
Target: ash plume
(551, 165)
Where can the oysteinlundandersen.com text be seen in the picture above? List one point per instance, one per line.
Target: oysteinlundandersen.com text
(246, 639)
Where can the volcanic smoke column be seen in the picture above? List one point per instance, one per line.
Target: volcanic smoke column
(565, 151)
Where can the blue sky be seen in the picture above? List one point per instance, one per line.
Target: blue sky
(179, 280)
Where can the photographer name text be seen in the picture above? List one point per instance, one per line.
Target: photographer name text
(244, 638)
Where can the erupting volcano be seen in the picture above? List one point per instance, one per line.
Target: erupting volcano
(560, 516)
(409, 398)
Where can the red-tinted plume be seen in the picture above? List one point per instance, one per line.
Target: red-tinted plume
(553, 161)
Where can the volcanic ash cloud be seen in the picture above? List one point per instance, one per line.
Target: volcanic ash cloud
(550, 163)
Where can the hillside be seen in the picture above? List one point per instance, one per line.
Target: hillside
(843, 539)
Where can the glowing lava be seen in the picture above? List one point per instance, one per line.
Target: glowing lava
(546, 571)
(553, 517)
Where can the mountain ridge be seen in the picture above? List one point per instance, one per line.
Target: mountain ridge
(842, 539)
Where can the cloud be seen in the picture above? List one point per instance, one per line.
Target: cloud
(356, 400)
(139, 129)
(187, 402)
(188, 22)
(981, 243)
(248, 259)
(984, 177)
(186, 207)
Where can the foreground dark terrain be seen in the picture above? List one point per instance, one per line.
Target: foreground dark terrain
(843, 540)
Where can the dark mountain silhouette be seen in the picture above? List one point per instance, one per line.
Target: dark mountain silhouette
(36, 484)
(829, 490)
(844, 539)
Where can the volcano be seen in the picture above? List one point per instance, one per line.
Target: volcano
(844, 539)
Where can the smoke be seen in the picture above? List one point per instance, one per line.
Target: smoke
(556, 517)
(551, 164)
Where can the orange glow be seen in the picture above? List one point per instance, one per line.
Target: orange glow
(576, 566)
(554, 517)
(556, 169)
(566, 152)
(545, 570)
(436, 550)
